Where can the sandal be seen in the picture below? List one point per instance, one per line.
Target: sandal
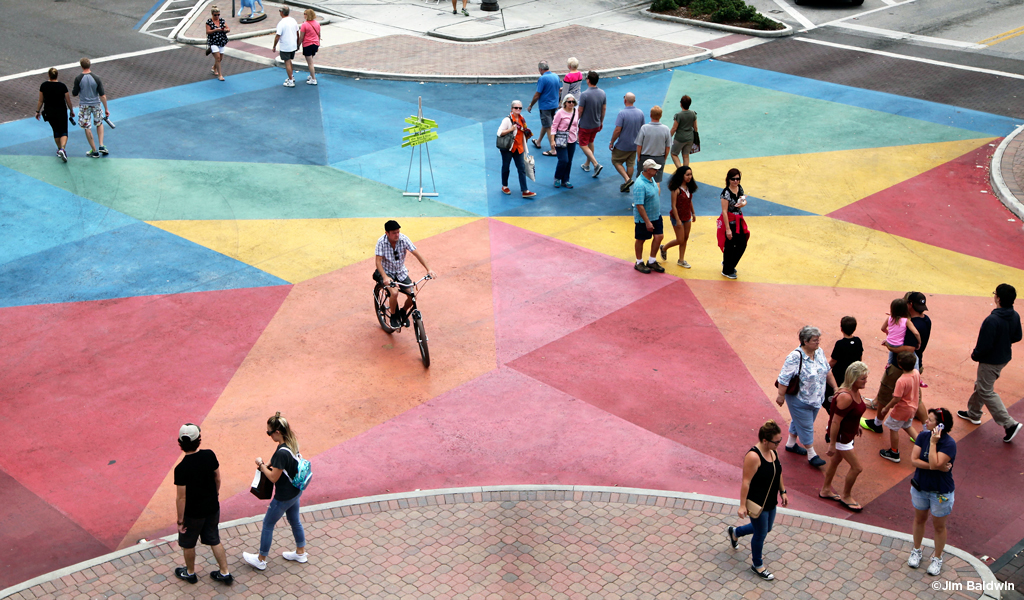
(549, 152)
(854, 507)
(536, 143)
(833, 496)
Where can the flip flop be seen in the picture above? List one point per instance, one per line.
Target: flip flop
(536, 143)
(549, 153)
(854, 507)
(836, 497)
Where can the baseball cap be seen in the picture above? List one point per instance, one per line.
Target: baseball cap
(917, 300)
(392, 225)
(650, 163)
(188, 432)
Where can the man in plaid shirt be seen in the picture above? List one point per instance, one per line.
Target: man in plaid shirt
(391, 249)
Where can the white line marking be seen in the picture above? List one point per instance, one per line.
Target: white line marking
(738, 46)
(94, 61)
(913, 58)
(867, 12)
(796, 14)
(899, 35)
(890, 2)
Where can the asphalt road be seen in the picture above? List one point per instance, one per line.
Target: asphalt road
(42, 33)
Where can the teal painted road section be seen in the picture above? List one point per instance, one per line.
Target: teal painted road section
(922, 110)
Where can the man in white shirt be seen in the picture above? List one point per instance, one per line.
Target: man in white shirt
(288, 36)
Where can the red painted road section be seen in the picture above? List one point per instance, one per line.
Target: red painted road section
(662, 364)
(945, 207)
(989, 476)
(96, 370)
(36, 537)
(545, 288)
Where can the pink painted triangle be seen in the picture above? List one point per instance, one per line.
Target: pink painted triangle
(505, 428)
(99, 389)
(950, 206)
(546, 288)
(661, 364)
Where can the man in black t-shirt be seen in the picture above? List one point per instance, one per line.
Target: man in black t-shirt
(916, 305)
(197, 478)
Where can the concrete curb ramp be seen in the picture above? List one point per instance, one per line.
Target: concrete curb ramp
(566, 539)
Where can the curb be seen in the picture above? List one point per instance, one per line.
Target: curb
(481, 38)
(237, 36)
(466, 497)
(996, 177)
(486, 79)
(694, 22)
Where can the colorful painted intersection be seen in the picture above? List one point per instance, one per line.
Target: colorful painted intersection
(215, 268)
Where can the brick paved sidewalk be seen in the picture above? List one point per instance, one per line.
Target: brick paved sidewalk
(510, 60)
(521, 544)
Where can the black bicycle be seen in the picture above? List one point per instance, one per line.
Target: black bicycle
(382, 307)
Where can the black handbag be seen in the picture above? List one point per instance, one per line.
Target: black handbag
(263, 488)
(794, 383)
(695, 146)
(505, 142)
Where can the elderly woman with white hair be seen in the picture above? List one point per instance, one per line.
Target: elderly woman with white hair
(801, 386)
(566, 126)
(572, 83)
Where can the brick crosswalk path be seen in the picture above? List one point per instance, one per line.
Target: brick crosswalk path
(595, 48)
(522, 544)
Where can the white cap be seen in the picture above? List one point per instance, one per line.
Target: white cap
(650, 163)
(188, 432)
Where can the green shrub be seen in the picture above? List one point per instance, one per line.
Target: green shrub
(664, 5)
(703, 7)
(725, 14)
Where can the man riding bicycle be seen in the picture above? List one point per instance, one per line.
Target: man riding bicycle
(390, 254)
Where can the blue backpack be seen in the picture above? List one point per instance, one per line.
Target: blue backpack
(304, 472)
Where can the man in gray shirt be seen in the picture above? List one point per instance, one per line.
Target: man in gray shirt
(89, 90)
(593, 105)
(623, 145)
(654, 142)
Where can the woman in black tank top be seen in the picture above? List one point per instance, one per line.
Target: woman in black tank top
(759, 493)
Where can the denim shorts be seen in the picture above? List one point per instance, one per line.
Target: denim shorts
(940, 504)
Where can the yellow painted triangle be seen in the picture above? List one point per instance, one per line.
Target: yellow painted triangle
(299, 249)
(804, 250)
(826, 181)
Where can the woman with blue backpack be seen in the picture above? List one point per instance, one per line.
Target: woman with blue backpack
(287, 492)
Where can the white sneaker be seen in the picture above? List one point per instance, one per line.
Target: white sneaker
(311, 82)
(935, 567)
(295, 556)
(309, 78)
(915, 558)
(683, 264)
(289, 83)
(254, 560)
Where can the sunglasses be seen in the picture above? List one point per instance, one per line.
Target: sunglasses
(734, 179)
(570, 102)
(271, 433)
(396, 254)
(517, 108)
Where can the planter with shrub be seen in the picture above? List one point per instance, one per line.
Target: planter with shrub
(734, 13)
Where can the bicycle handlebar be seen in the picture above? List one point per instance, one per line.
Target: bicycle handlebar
(413, 284)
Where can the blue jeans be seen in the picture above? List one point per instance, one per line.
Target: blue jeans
(564, 167)
(802, 418)
(274, 513)
(759, 527)
(507, 156)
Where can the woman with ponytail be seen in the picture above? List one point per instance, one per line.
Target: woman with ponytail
(284, 465)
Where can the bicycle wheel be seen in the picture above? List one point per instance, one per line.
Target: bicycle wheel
(421, 337)
(380, 307)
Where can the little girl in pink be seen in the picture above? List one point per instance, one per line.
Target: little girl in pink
(896, 326)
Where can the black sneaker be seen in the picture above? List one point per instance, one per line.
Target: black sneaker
(731, 533)
(764, 574)
(966, 416)
(642, 267)
(1011, 432)
(182, 573)
(869, 424)
(405, 319)
(630, 183)
(656, 267)
(624, 188)
(888, 454)
(225, 579)
(816, 461)
(797, 449)
(396, 322)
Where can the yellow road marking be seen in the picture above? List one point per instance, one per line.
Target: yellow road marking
(1006, 35)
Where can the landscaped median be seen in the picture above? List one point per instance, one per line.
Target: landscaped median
(734, 16)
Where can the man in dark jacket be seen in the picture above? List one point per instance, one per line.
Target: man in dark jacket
(992, 352)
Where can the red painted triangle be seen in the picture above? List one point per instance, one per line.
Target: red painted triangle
(545, 288)
(946, 207)
(99, 389)
(505, 428)
(662, 364)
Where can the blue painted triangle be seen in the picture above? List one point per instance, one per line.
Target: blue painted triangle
(36, 216)
(134, 260)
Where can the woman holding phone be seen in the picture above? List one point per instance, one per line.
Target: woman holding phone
(931, 489)
(732, 225)
(282, 468)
